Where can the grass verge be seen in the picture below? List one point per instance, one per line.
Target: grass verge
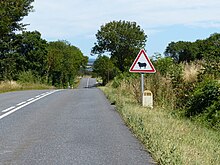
(8, 86)
(169, 139)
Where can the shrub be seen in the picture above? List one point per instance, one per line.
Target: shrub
(213, 114)
(27, 77)
(204, 103)
(203, 97)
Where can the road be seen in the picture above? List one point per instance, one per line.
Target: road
(65, 127)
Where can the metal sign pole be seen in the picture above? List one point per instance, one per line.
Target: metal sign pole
(142, 87)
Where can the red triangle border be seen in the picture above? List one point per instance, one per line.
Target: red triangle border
(136, 60)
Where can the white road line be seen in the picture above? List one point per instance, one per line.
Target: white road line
(87, 83)
(8, 109)
(21, 103)
(15, 109)
(30, 99)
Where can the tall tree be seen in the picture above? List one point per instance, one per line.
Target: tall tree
(11, 13)
(181, 51)
(64, 61)
(104, 68)
(32, 53)
(122, 40)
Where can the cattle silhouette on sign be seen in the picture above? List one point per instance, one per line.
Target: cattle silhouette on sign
(142, 65)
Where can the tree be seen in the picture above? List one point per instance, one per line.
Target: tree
(122, 40)
(189, 51)
(11, 13)
(104, 68)
(63, 63)
(181, 51)
(211, 55)
(31, 53)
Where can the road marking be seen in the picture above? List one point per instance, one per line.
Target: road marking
(13, 109)
(8, 109)
(87, 86)
(30, 99)
(21, 103)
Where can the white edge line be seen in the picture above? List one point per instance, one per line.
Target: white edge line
(14, 110)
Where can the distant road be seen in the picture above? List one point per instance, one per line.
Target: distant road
(65, 127)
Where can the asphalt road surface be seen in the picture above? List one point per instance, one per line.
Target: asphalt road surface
(65, 127)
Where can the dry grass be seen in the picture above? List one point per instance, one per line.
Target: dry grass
(169, 139)
(6, 86)
(191, 71)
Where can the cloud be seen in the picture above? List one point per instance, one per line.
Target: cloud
(66, 19)
(57, 17)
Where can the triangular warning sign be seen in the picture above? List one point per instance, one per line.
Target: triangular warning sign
(142, 64)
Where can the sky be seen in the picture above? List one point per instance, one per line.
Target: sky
(163, 21)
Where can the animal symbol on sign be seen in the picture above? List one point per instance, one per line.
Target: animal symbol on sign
(142, 65)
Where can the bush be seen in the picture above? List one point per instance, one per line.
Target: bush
(27, 77)
(204, 103)
(213, 114)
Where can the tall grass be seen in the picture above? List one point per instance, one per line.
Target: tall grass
(191, 71)
(170, 137)
(7, 86)
(170, 140)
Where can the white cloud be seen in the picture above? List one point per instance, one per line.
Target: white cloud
(86, 16)
(57, 19)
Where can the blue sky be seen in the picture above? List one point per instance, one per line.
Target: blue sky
(164, 21)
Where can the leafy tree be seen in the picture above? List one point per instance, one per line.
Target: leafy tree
(181, 51)
(63, 63)
(32, 53)
(104, 68)
(122, 40)
(11, 13)
(189, 51)
(211, 55)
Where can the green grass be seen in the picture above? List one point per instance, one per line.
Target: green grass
(169, 139)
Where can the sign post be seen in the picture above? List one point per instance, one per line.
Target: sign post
(142, 64)
(142, 83)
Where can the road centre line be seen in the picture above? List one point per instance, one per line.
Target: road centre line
(13, 109)
(87, 84)
(21, 103)
(30, 99)
(8, 109)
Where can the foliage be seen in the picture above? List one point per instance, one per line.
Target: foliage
(31, 53)
(204, 102)
(190, 51)
(104, 68)
(27, 77)
(11, 13)
(164, 65)
(180, 51)
(212, 56)
(63, 63)
(26, 57)
(122, 40)
(169, 139)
